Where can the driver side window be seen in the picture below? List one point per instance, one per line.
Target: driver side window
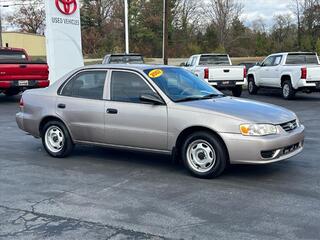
(268, 62)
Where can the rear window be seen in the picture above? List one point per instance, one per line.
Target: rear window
(214, 60)
(302, 59)
(12, 55)
(126, 59)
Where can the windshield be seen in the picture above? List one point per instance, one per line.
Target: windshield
(126, 59)
(214, 60)
(181, 85)
(302, 58)
(12, 55)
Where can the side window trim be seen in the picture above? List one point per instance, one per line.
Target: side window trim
(109, 80)
(76, 74)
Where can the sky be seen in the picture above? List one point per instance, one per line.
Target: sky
(264, 9)
(253, 9)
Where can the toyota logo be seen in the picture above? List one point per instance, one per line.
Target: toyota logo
(67, 7)
(291, 126)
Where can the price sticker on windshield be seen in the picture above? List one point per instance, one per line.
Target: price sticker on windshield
(155, 73)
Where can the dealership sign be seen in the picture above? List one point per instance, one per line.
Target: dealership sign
(63, 37)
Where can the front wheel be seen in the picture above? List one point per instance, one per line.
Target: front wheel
(56, 139)
(288, 91)
(237, 91)
(204, 155)
(252, 87)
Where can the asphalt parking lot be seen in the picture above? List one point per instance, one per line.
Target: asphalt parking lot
(100, 193)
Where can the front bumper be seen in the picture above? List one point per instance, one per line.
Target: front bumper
(252, 150)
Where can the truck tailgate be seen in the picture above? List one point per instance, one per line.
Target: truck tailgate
(23, 71)
(313, 73)
(229, 73)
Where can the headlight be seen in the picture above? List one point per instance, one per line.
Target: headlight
(258, 129)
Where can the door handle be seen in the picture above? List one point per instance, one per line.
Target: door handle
(61, 105)
(112, 111)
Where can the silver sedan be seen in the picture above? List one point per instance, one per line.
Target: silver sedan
(160, 109)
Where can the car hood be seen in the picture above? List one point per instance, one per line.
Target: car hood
(246, 110)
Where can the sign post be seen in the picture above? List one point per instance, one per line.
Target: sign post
(63, 37)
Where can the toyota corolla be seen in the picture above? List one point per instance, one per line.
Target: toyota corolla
(160, 109)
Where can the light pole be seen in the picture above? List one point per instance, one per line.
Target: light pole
(126, 25)
(165, 31)
(1, 6)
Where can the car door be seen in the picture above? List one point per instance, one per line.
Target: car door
(129, 121)
(80, 104)
(275, 72)
(265, 70)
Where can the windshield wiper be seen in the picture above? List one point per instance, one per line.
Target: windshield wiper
(195, 98)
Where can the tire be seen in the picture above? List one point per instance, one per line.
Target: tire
(204, 155)
(288, 91)
(56, 139)
(252, 87)
(237, 91)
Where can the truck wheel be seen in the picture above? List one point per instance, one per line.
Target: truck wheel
(56, 139)
(237, 91)
(252, 87)
(288, 91)
(204, 155)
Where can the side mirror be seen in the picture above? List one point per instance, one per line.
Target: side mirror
(151, 98)
(259, 64)
(184, 64)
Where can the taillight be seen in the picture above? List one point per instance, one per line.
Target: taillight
(304, 73)
(21, 104)
(244, 72)
(206, 73)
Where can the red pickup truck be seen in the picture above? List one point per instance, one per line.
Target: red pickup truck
(18, 72)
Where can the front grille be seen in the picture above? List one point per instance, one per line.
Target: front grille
(289, 126)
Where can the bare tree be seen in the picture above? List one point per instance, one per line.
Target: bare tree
(221, 14)
(29, 17)
(186, 14)
(297, 9)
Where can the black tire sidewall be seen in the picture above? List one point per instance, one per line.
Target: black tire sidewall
(68, 143)
(291, 91)
(217, 145)
(237, 91)
(254, 87)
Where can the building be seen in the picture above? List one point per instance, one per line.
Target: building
(34, 44)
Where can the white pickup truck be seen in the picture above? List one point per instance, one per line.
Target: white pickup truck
(217, 70)
(291, 72)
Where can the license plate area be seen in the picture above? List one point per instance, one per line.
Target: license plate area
(23, 83)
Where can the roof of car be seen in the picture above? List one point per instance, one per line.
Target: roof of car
(124, 54)
(282, 53)
(127, 66)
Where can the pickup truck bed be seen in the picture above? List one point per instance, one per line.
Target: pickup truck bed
(217, 70)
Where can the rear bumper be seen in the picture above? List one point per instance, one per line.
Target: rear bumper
(223, 84)
(262, 150)
(23, 84)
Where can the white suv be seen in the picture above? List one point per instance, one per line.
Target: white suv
(296, 71)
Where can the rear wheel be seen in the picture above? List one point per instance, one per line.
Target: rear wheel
(252, 87)
(204, 155)
(56, 139)
(237, 91)
(288, 91)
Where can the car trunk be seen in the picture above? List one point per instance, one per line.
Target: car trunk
(313, 73)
